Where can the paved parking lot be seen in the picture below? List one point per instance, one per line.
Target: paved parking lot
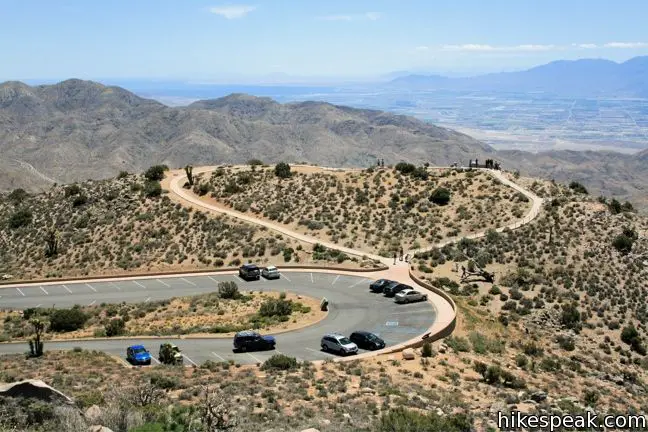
(352, 307)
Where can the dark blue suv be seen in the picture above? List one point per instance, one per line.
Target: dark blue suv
(253, 341)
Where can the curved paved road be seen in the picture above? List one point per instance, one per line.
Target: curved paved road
(353, 307)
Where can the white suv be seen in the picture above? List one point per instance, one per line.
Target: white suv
(338, 343)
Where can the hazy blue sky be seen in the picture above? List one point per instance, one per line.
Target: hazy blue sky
(205, 40)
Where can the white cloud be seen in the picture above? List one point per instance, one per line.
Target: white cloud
(491, 48)
(585, 45)
(625, 45)
(422, 48)
(232, 11)
(371, 16)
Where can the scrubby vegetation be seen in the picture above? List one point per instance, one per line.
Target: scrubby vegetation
(378, 210)
(125, 225)
(226, 311)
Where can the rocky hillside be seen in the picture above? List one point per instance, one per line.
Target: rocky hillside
(76, 130)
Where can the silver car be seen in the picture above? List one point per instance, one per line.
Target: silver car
(338, 343)
(270, 272)
(409, 296)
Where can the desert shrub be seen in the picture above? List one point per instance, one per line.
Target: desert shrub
(426, 350)
(115, 327)
(20, 218)
(152, 188)
(228, 290)
(17, 195)
(71, 190)
(405, 168)
(255, 162)
(571, 317)
(458, 343)
(578, 188)
(275, 307)
(280, 362)
(156, 172)
(122, 174)
(566, 342)
(79, 200)
(165, 382)
(630, 336)
(401, 419)
(282, 170)
(440, 196)
(66, 320)
(623, 243)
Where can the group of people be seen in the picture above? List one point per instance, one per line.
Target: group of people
(490, 163)
(401, 257)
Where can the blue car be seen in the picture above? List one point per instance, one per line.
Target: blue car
(138, 355)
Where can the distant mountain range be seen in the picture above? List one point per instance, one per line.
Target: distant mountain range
(75, 130)
(587, 77)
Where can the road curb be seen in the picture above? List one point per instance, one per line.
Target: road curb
(131, 276)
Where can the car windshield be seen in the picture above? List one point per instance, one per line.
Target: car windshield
(372, 337)
(344, 341)
(139, 350)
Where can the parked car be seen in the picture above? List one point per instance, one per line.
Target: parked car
(379, 285)
(409, 296)
(138, 355)
(338, 343)
(270, 272)
(249, 272)
(392, 289)
(170, 354)
(252, 341)
(366, 340)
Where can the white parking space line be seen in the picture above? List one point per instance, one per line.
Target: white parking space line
(254, 358)
(189, 360)
(67, 289)
(321, 352)
(20, 291)
(139, 284)
(39, 305)
(147, 299)
(155, 360)
(358, 283)
(116, 286)
(336, 279)
(43, 289)
(93, 302)
(188, 281)
(239, 278)
(163, 283)
(312, 281)
(222, 359)
(214, 280)
(91, 287)
(286, 277)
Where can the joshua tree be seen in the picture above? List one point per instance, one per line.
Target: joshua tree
(190, 178)
(52, 242)
(36, 344)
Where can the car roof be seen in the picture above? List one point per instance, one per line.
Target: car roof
(334, 335)
(247, 333)
(394, 283)
(249, 265)
(362, 332)
(271, 268)
(136, 346)
(405, 291)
